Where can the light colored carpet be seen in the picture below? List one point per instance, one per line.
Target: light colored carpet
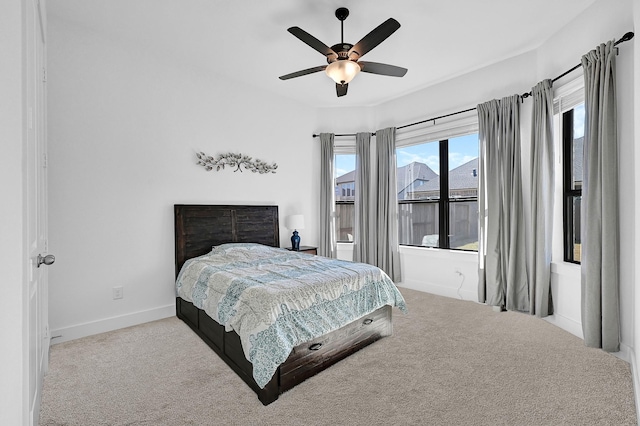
(449, 362)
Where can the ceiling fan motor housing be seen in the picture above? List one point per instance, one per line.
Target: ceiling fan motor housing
(343, 58)
(342, 50)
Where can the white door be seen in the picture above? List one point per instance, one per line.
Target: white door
(36, 303)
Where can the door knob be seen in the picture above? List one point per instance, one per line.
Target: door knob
(47, 260)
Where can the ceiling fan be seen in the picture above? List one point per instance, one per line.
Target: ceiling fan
(344, 58)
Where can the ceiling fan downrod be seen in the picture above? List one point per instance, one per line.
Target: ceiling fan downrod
(341, 14)
(344, 58)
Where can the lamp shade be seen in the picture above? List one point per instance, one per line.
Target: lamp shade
(342, 71)
(295, 221)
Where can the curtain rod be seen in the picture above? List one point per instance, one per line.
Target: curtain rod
(628, 36)
(343, 134)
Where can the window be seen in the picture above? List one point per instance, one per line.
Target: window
(572, 142)
(345, 189)
(425, 217)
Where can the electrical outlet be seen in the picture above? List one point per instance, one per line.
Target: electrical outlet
(118, 293)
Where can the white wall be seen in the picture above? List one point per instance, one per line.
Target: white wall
(435, 270)
(635, 358)
(13, 391)
(141, 117)
(603, 21)
(443, 272)
(512, 76)
(124, 126)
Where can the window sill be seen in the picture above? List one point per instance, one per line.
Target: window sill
(435, 252)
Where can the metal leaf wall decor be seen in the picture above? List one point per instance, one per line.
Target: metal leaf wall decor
(234, 160)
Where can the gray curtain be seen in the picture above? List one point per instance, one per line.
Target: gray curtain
(599, 217)
(327, 244)
(386, 248)
(502, 275)
(542, 185)
(363, 235)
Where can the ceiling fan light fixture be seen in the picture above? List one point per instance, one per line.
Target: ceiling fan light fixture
(342, 71)
(343, 58)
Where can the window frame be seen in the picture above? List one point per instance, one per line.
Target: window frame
(342, 148)
(566, 97)
(569, 194)
(441, 133)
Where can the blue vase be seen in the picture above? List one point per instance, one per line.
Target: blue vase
(295, 241)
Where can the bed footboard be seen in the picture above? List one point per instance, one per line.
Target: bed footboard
(305, 360)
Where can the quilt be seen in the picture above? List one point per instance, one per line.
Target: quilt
(276, 299)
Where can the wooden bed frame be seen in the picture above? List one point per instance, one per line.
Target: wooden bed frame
(197, 229)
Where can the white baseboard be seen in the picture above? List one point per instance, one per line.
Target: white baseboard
(565, 323)
(572, 326)
(634, 377)
(109, 324)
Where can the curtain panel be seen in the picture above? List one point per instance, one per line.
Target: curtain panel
(542, 186)
(327, 245)
(386, 248)
(502, 274)
(364, 235)
(600, 209)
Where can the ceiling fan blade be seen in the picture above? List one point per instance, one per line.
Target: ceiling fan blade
(313, 42)
(382, 69)
(303, 72)
(341, 89)
(375, 37)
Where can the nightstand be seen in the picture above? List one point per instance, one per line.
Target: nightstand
(306, 249)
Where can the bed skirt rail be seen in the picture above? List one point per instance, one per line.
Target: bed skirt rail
(305, 360)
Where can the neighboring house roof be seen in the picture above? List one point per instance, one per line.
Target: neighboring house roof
(347, 177)
(432, 185)
(408, 174)
(462, 177)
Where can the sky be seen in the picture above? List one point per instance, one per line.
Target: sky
(578, 121)
(344, 164)
(461, 150)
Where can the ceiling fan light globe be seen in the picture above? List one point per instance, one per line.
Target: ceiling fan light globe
(342, 71)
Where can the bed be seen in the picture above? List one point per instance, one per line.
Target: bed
(207, 287)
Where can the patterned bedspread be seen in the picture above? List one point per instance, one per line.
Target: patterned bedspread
(276, 299)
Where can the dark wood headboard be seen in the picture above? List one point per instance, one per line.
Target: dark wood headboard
(199, 227)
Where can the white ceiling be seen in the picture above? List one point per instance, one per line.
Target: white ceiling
(248, 40)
